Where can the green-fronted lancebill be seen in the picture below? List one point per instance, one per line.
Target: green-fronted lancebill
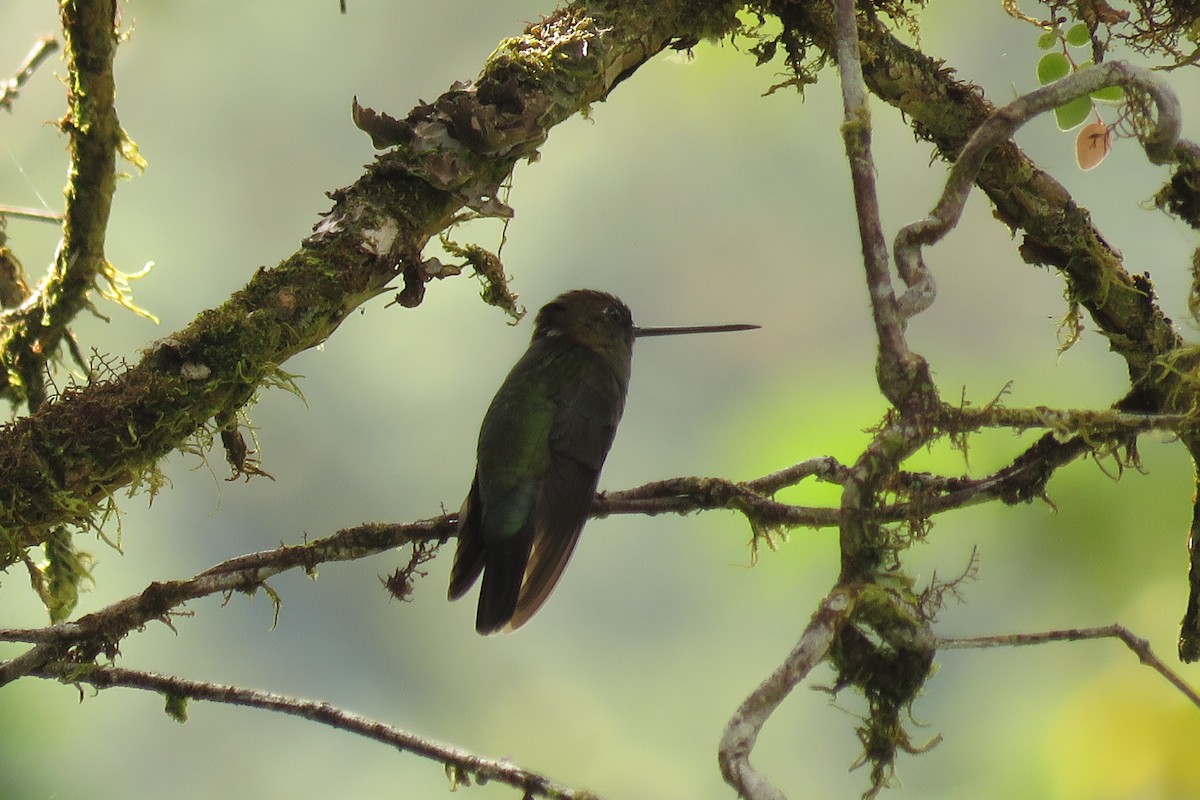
(542, 444)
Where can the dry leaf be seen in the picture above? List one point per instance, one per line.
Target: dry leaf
(1092, 145)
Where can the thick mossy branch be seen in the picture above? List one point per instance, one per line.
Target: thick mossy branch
(31, 334)
(1058, 232)
(58, 463)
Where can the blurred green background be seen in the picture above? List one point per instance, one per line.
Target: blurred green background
(696, 200)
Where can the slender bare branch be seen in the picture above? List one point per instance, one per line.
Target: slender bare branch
(37, 214)
(461, 766)
(856, 134)
(743, 727)
(10, 88)
(1137, 644)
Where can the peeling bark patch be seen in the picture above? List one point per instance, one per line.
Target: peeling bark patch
(379, 241)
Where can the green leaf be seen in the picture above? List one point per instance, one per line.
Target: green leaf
(1109, 94)
(1078, 35)
(1073, 114)
(1047, 40)
(1051, 67)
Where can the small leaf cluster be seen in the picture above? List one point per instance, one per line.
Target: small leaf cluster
(1058, 64)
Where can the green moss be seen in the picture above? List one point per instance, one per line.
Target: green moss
(176, 707)
(885, 650)
(66, 570)
(697, 19)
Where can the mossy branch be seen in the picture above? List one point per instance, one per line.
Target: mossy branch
(455, 153)
(918, 496)
(58, 463)
(977, 138)
(100, 633)
(1057, 231)
(31, 333)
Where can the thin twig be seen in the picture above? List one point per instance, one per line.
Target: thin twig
(35, 330)
(102, 630)
(36, 214)
(461, 765)
(1072, 433)
(1159, 144)
(1135, 643)
(743, 728)
(856, 134)
(903, 376)
(12, 87)
(1020, 481)
(1097, 424)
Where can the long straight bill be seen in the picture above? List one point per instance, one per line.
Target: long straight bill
(640, 332)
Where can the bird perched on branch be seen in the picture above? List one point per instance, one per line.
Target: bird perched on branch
(542, 444)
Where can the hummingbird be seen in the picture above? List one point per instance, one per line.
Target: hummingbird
(541, 447)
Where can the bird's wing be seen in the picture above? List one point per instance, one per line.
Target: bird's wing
(495, 529)
(584, 426)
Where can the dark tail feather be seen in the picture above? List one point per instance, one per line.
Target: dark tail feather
(468, 557)
(503, 573)
(546, 565)
(468, 563)
(502, 564)
(566, 498)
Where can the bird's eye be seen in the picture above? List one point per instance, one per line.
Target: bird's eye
(614, 314)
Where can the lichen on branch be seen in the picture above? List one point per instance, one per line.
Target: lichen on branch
(58, 465)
